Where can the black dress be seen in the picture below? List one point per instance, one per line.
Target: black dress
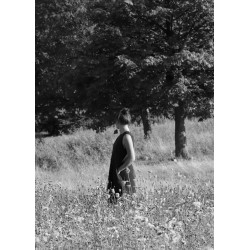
(114, 182)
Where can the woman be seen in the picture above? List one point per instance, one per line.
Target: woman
(121, 173)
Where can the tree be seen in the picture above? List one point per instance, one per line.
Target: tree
(121, 80)
(157, 54)
(61, 29)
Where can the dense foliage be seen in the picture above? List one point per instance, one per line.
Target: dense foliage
(94, 57)
(158, 52)
(61, 29)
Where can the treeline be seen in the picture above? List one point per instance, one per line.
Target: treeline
(95, 57)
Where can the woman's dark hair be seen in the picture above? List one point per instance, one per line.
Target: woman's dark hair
(124, 117)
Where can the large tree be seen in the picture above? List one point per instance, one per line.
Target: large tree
(61, 28)
(153, 56)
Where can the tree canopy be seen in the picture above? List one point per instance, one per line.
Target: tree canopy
(155, 57)
(158, 51)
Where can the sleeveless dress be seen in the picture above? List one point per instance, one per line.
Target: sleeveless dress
(114, 182)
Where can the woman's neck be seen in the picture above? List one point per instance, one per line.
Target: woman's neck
(124, 129)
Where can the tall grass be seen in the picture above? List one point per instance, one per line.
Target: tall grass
(85, 148)
(173, 207)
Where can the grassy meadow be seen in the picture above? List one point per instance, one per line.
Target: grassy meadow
(173, 207)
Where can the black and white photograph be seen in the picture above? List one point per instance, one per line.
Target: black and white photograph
(124, 124)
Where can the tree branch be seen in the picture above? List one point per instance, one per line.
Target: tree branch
(192, 28)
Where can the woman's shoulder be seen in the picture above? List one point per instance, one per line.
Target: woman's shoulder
(127, 135)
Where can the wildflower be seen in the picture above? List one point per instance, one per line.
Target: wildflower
(197, 204)
(111, 228)
(141, 218)
(112, 191)
(184, 242)
(176, 238)
(130, 211)
(168, 211)
(134, 195)
(56, 233)
(170, 223)
(208, 184)
(191, 194)
(142, 239)
(117, 195)
(180, 224)
(137, 212)
(166, 238)
(174, 220)
(80, 219)
(138, 217)
(111, 218)
(116, 234)
(163, 200)
(150, 225)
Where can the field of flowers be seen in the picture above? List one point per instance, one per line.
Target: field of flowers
(171, 212)
(174, 203)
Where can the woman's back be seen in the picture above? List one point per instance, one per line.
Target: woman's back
(119, 152)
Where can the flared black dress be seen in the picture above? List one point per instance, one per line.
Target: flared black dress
(128, 179)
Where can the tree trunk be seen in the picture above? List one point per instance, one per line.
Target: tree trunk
(146, 123)
(180, 132)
